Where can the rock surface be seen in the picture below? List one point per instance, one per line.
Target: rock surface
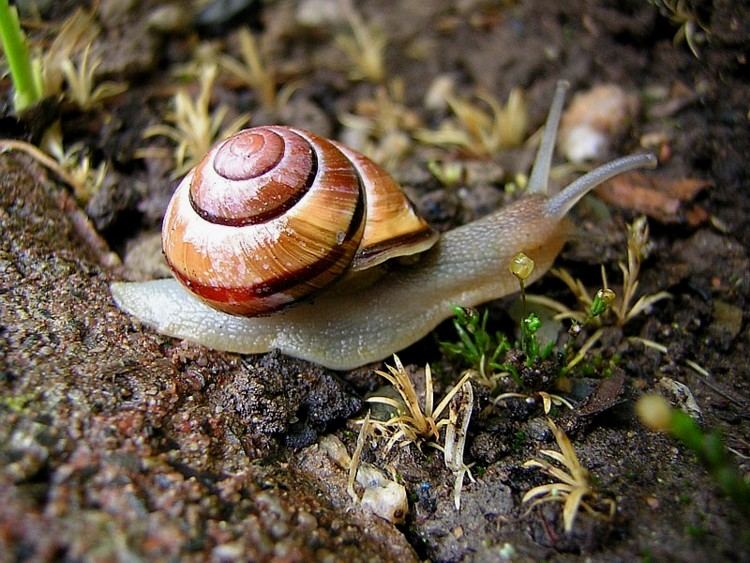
(119, 444)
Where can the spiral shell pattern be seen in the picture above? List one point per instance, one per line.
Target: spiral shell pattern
(273, 214)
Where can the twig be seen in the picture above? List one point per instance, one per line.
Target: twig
(43, 158)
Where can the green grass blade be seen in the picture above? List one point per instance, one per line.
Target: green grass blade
(16, 51)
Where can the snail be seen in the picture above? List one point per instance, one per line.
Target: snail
(369, 309)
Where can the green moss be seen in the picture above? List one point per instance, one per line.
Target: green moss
(696, 532)
(519, 441)
(17, 403)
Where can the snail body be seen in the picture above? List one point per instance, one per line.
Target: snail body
(346, 325)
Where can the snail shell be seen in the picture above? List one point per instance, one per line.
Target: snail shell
(274, 214)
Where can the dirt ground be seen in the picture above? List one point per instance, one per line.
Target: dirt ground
(118, 443)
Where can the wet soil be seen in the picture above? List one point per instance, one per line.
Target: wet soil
(118, 443)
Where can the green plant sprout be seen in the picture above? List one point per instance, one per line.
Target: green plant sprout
(80, 81)
(449, 173)
(595, 310)
(656, 413)
(592, 309)
(482, 351)
(255, 73)
(521, 266)
(486, 354)
(48, 72)
(204, 54)
(412, 423)
(76, 33)
(479, 131)
(638, 243)
(27, 82)
(193, 125)
(365, 47)
(476, 347)
(572, 487)
(601, 303)
(690, 29)
(381, 125)
(530, 344)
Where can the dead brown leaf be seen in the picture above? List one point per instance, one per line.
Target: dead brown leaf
(664, 199)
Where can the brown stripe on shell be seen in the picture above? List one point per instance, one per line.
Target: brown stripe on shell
(417, 241)
(393, 227)
(278, 292)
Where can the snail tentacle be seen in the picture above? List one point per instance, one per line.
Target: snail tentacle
(539, 179)
(561, 203)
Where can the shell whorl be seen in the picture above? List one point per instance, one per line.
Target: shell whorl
(254, 177)
(273, 214)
